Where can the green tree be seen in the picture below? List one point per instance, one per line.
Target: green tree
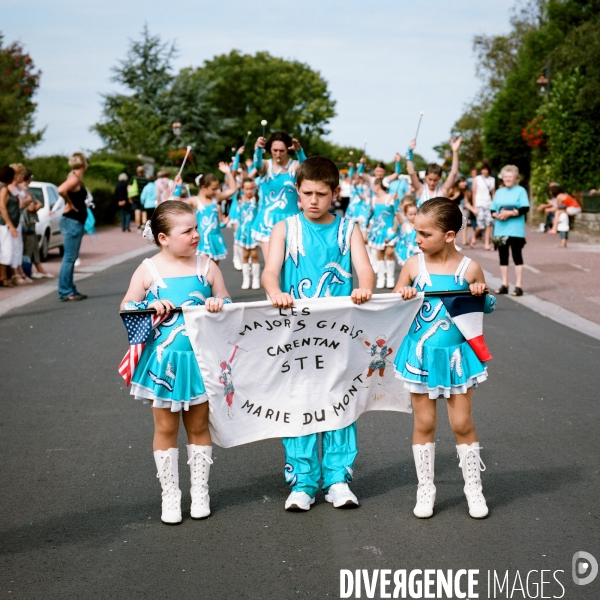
(18, 83)
(136, 123)
(248, 88)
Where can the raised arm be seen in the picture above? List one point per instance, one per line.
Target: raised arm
(410, 169)
(455, 145)
(231, 182)
(258, 164)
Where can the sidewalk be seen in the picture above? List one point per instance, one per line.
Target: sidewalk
(96, 252)
(568, 277)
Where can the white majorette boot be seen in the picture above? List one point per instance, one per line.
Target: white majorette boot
(237, 257)
(168, 474)
(199, 459)
(372, 252)
(424, 461)
(256, 276)
(380, 272)
(245, 276)
(471, 464)
(390, 267)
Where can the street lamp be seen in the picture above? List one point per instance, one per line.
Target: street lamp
(543, 85)
(177, 129)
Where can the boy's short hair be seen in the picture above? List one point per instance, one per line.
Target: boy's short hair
(318, 168)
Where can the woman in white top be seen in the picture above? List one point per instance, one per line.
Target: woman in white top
(483, 189)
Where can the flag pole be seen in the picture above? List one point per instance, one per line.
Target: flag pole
(442, 294)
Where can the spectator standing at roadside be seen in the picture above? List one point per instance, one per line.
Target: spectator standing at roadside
(138, 183)
(72, 226)
(21, 192)
(509, 208)
(483, 189)
(148, 199)
(10, 215)
(123, 201)
(163, 186)
(31, 245)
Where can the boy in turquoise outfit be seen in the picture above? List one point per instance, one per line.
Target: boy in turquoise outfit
(311, 255)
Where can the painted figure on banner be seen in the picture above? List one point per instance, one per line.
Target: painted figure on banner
(379, 352)
(226, 379)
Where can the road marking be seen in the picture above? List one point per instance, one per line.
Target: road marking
(33, 294)
(580, 267)
(532, 269)
(550, 310)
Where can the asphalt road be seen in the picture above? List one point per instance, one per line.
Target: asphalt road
(80, 502)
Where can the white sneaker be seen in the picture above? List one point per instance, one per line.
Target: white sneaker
(298, 501)
(35, 275)
(48, 275)
(340, 495)
(77, 262)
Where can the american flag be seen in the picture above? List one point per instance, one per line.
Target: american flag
(138, 328)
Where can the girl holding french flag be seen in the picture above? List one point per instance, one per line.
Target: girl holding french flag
(444, 353)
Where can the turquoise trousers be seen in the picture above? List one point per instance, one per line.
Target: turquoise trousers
(302, 469)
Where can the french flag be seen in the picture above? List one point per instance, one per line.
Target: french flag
(467, 314)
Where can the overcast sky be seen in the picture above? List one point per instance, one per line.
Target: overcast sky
(384, 60)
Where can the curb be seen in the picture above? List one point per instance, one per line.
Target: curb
(31, 295)
(549, 310)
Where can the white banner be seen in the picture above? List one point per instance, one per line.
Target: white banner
(285, 373)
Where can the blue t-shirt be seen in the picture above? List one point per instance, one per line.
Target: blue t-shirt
(514, 197)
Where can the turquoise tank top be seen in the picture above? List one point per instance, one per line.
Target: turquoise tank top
(317, 259)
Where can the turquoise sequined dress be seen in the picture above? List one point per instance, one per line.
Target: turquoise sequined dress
(359, 208)
(246, 216)
(211, 241)
(278, 199)
(167, 373)
(434, 357)
(382, 225)
(407, 244)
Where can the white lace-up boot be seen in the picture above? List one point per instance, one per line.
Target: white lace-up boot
(425, 462)
(245, 276)
(380, 271)
(237, 257)
(471, 464)
(168, 474)
(390, 268)
(256, 276)
(199, 459)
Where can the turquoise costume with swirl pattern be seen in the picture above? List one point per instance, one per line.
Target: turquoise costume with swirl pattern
(211, 241)
(167, 373)
(246, 218)
(317, 264)
(278, 199)
(434, 357)
(382, 225)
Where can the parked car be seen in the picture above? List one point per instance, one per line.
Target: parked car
(48, 227)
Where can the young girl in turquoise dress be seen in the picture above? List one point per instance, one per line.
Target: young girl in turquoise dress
(407, 234)
(435, 359)
(278, 195)
(382, 236)
(359, 207)
(208, 212)
(167, 373)
(247, 207)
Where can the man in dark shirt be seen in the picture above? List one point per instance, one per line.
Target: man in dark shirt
(135, 200)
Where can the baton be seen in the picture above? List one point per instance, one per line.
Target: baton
(178, 309)
(180, 170)
(418, 125)
(264, 127)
